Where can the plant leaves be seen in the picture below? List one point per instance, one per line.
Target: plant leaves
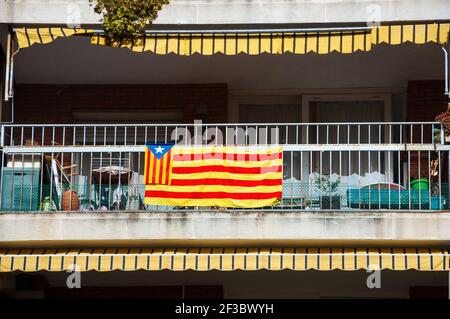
(125, 20)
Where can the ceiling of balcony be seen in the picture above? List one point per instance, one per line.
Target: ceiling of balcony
(75, 60)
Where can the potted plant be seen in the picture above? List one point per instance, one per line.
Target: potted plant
(328, 187)
(443, 118)
(70, 200)
(419, 183)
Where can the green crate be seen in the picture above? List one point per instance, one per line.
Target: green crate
(394, 199)
(20, 189)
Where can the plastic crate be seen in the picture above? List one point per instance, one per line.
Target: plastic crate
(20, 189)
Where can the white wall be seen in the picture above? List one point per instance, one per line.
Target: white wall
(236, 11)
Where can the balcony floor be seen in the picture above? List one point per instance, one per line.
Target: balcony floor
(218, 228)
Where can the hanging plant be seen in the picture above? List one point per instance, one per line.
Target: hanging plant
(125, 20)
(443, 118)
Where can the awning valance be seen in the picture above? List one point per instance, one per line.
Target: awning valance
(26, 37)
(253, 43)
(224, 259)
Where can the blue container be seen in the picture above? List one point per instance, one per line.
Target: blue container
(20, 189)
(388, 199)
(435, 205)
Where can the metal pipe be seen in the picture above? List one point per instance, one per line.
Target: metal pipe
(9, 76)
(11, 69)
(447, 88)
(8, 66)
(232, 31)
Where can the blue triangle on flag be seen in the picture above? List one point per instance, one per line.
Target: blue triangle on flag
(159, 150)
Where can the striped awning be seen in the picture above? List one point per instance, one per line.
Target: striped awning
(258, 42)
(26, 37)
(224, 259)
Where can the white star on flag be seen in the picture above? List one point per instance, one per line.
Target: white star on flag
(159, 149)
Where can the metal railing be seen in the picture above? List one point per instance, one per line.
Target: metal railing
(328, 166)
(218, 134)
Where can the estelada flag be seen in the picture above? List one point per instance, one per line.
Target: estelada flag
(223, 176)
(158, 164)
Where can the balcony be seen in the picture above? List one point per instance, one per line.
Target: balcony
(376, 166)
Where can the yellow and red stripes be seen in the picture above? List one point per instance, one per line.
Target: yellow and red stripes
(224, 176)
(157, 171)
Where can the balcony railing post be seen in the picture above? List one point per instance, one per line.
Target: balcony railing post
(2, 137)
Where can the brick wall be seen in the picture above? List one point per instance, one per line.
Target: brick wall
(425, 100)
(56, 103)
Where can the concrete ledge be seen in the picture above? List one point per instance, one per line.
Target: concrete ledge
(182, 12)
(209, 228)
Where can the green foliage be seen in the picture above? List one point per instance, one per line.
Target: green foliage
(444, 118)
(437, 136)
(125, 20)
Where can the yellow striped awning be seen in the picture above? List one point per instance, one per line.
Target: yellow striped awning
(26, 37)
(224, 259)
(257, 43)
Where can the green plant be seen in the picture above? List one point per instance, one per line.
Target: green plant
(125, 20)
(444, 118)
(47, 204)
(326, 184)
(437, 135)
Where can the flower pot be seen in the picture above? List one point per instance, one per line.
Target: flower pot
(421, 183)
(330, 202)
(70, 201)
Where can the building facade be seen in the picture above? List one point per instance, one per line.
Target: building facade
(349, 90)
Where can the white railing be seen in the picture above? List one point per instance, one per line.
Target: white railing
(386, 165)
(218, 134)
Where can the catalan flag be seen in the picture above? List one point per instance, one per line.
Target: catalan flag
(158, 162)
(223, 176)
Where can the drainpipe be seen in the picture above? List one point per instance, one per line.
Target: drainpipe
(8, 66)
(447, 88)
(9, 75)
